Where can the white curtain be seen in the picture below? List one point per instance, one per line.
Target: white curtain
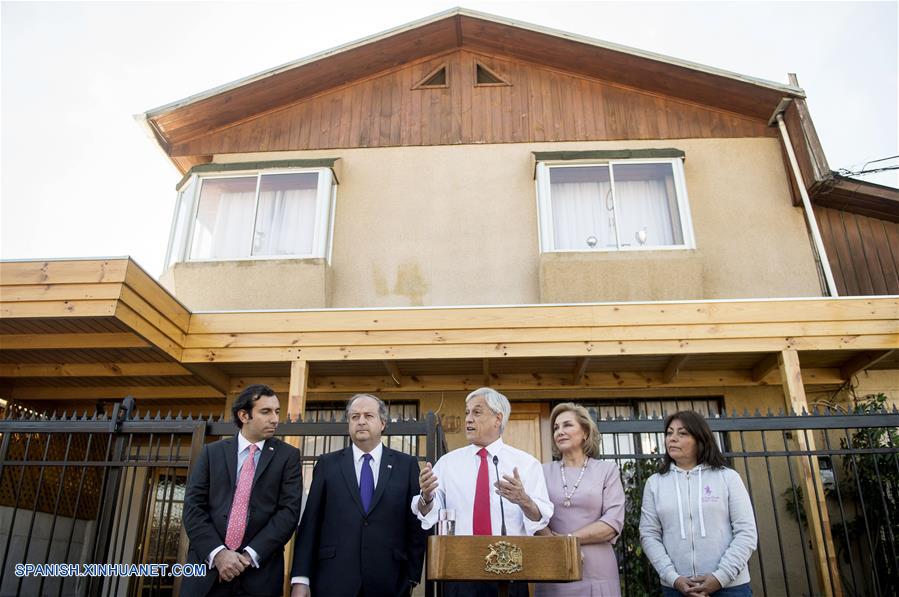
(223, 227)
(581, 210)
(645, 205)
(285, 224)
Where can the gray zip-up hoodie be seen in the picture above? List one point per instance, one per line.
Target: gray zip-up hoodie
(698, 522)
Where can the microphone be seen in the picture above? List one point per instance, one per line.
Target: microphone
(502, 512)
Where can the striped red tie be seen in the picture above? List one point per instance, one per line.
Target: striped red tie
(237, 521)
(481, 514)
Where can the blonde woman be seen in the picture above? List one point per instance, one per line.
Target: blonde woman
(588, 499)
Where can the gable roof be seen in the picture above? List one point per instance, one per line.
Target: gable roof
(283, 85)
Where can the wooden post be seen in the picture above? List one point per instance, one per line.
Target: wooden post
(296, 406)
(299, 380)
(814, 502)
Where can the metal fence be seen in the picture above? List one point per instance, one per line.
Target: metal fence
(109, 488)
(845, 535)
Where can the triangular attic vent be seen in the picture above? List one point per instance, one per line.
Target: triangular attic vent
(436, 79)
(485, 76)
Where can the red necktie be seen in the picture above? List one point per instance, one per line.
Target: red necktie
(481, 515)
(237, 521)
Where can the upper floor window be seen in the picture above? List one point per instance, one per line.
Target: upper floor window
(253, 215)
(613, 205)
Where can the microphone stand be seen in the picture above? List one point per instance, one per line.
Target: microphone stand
(504, 586)
(502, 512)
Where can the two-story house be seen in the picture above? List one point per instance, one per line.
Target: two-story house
(466, 201)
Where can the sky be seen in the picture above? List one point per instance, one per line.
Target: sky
(80, 178)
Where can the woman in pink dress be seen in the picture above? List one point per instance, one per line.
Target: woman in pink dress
(589, 503)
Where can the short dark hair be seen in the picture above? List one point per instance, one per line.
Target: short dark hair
(247, 399)
(707, 451)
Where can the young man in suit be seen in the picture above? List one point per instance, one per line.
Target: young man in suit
(242, 504)
(357, 536)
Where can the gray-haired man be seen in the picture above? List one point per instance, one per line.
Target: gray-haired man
(357, 536)
(465, 480)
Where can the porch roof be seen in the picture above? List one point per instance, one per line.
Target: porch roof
(82, 330)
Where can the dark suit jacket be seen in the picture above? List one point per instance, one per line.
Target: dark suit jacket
(341, 548)
(272, 515)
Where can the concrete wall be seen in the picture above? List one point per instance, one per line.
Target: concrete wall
(250, 284)
(50, 535)
(457, 225)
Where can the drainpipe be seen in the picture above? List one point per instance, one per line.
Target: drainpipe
(817, 243)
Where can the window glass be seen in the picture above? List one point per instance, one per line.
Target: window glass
(224, 218)
(614, 206)
(182, 221)
(647, 205)
(285, 217)
(582, 211)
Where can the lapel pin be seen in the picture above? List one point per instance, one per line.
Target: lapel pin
(271, 448)
(389, 466)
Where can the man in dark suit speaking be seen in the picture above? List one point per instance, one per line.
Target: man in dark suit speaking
(242, 504)
(358, 536)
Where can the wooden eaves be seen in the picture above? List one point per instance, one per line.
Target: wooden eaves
(102, 329)
(282, 86)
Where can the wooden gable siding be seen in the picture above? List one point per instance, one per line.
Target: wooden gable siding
(541, 104)
(863, 252)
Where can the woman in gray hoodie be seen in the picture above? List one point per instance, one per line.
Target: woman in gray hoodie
(697, 526)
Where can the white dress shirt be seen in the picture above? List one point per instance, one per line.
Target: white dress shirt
(243, 451)
(358, 459)
(358, 456)
(457, 473)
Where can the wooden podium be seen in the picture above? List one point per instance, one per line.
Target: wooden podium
(503, 559)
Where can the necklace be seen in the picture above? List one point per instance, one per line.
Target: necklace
(567, 502)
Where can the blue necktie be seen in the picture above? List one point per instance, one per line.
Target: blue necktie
(366, 483)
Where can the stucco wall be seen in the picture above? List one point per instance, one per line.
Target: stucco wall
(457, 225)
(260, 284)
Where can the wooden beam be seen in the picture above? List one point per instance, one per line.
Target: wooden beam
(151, 291)
(114, 392)
(394, 372)
(673, 368)
(63, 271)
(814, 503)
(485, 369)
(93, 370)
(58, 308)
(862, 361)
(580, 369)
(598, 316)
(136, 322)
(483, 350)
(603, 380)
(57, 292)
(764, 367)
(278, 384)
(512, 334)
(299, 381)
(211, 375)
(71, 341)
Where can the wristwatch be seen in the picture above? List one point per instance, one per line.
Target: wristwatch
(422, 501)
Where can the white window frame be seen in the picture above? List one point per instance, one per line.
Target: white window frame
(545, 213)
(325, 204)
